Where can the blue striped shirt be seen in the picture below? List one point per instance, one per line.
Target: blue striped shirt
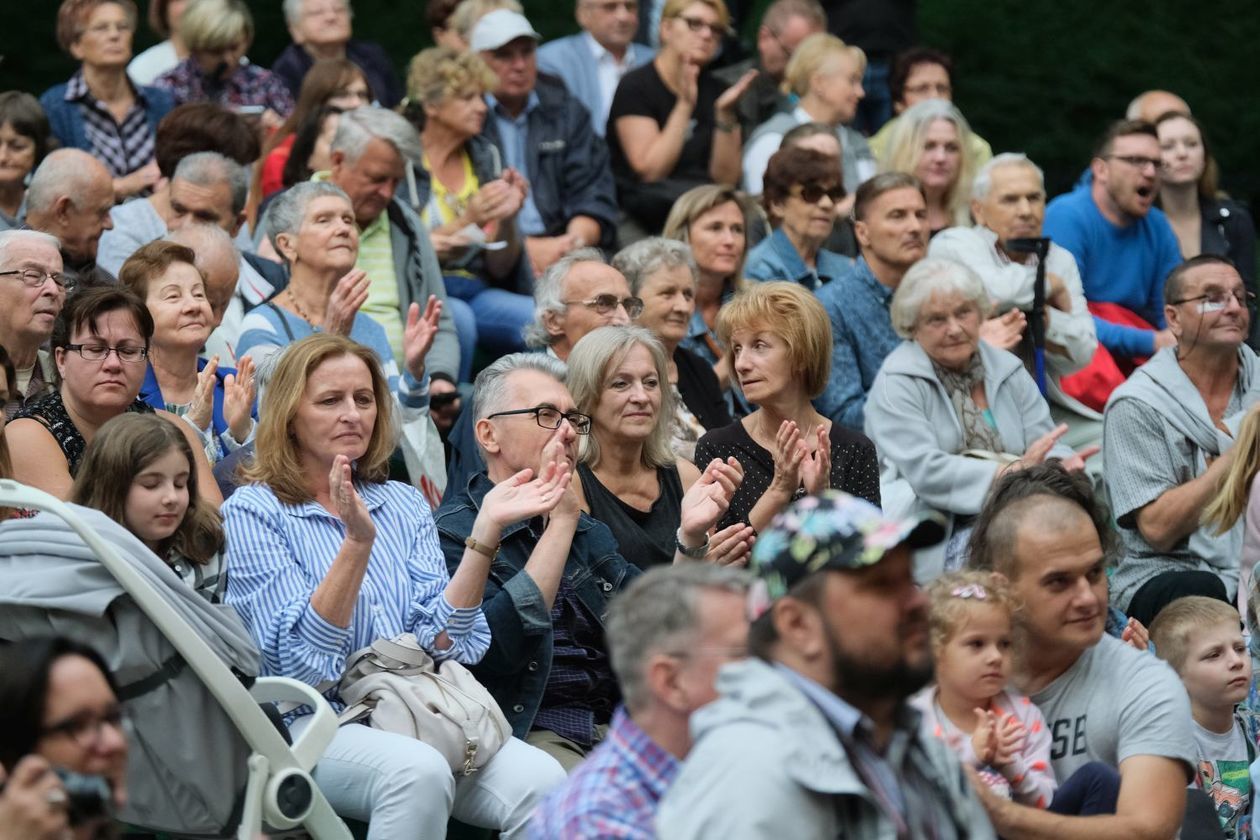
(277, 554)
(268, 329)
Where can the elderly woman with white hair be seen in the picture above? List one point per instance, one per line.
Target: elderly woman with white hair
(218, 33)
(932, 141)
(312, 227)
(662, 273)
(949, 413)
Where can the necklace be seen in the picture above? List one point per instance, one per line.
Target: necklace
(297, 307)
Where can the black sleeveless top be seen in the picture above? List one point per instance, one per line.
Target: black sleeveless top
(646, 539)
(51, 411)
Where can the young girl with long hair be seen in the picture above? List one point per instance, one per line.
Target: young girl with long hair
(140, 471)
(1239, 495)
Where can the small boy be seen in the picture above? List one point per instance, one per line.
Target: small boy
(1201, 638)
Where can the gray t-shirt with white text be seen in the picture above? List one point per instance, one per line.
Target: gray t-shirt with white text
(1113, 703)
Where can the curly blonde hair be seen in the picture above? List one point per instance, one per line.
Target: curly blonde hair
(439, 72)
(954, 593)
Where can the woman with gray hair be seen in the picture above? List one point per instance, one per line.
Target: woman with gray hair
(658, 508)
(662, 273)
(312, 227)
(951, 414)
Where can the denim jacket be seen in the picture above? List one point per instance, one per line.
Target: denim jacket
(516, 668)
(775, 258)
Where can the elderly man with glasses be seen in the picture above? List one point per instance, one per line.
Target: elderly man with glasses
(551, 577)
(32, 291)
(1123, 244)
(1168, 435)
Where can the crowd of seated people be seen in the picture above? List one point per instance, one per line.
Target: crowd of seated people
(637, 379)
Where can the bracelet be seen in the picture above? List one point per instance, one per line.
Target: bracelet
(726, 127)
(490, 551)
(696, 553)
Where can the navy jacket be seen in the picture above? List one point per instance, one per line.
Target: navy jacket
(567, 162)
(292, 64)
(516, 668)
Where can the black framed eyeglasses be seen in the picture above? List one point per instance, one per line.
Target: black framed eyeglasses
(549, 418)
(34, 278)
(1138, 162)
(603, 304)
(99, 352)
(813, 193)
(85, 729)
(1218, 299)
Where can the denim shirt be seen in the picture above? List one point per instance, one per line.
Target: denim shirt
(862, 336)
(516, 668)
(775, 258)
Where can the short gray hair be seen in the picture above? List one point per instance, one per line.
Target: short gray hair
(359, 127)
(549, 292)
(209, 169)
(660, 613)
(983, 183)
(588, 366)
(293, 10)
(64, 172)
(644, 258)
(205, 241)
(490, 387)
(287, 211)
(8, 238)
(928, 276)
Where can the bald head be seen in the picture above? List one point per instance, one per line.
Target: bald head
(1153, 104)
(70, 196)
(218, 260)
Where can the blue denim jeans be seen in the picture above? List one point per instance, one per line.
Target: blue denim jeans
(491, 317)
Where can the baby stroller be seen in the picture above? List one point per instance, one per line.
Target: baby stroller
(205, 759)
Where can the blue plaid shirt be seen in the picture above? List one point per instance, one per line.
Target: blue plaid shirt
(614, 793)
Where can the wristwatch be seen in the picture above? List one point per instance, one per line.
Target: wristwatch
(696, 553)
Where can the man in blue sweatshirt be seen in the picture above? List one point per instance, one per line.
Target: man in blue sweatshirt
(1123, 245)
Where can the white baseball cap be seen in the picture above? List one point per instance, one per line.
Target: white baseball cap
(502, 26)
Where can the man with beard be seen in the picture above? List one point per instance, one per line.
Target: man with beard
(1123, 245)
(812, 737)
(1173, 426)
(1102, 700)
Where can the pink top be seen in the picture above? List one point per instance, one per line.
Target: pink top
(1029, 779)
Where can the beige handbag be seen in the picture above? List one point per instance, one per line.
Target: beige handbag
(397, 687)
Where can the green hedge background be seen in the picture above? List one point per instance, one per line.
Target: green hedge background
(1039, 76)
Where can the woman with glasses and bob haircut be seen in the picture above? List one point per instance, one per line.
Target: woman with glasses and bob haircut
(659, 508)
(59, 708)
(801, 190)
(672, 125)
(100, 343)
(780, 340)
(327, 556)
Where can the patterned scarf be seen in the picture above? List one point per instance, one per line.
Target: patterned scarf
(977, 433)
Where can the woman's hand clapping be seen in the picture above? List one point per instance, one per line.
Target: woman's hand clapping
(239, 390)
(816, 465)
(418, 334)
(350, 508)
(708, 498)
(350, 293)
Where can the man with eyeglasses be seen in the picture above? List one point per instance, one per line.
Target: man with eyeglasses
(783, 26)
(1123, 244)
(578, 294)
(551, 577)
(592, 62)
(668, 634)
(917, 74)
(32, 292)
(1168, 435)
(70, 197)
(546, 134)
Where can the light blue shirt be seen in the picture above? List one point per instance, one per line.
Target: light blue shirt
(279, 553)
(514, 139)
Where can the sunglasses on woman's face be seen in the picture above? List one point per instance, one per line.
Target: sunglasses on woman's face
(813, 193)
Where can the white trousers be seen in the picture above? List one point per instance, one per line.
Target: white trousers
(405, 789)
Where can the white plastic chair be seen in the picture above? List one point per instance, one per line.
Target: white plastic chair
(279, 790)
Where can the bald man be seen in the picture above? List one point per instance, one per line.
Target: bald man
(1153, 104)
(70, 196)
(220, 262)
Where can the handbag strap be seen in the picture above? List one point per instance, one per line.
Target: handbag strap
(403, 649)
